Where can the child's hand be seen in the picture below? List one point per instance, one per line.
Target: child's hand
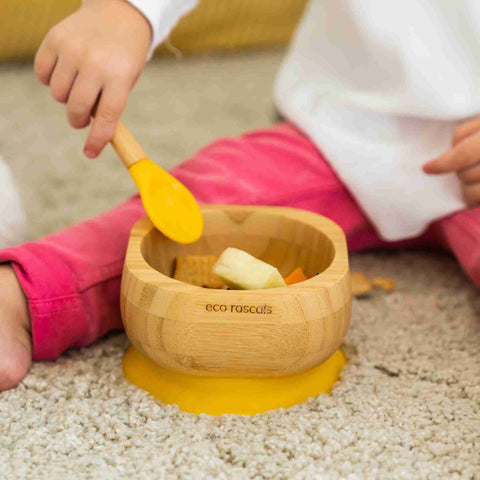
(96, 53)
(463, 159)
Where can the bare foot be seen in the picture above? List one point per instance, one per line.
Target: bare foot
(15, 336)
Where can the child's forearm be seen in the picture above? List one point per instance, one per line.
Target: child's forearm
(72, 280)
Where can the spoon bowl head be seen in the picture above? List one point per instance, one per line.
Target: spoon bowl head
(168, 203)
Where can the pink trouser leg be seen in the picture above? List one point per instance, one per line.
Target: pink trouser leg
(280, 166)
(72, 278)
(460, 233)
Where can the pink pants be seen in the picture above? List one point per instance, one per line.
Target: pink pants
(72, 278)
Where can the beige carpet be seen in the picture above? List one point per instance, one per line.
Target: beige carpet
(409, 402)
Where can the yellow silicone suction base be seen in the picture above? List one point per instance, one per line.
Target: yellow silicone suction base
(239, 396)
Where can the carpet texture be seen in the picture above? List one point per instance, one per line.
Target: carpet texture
(408, 405)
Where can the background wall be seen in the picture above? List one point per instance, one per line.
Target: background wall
(214, 25)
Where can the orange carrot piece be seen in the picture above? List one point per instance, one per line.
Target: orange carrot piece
(295, 277)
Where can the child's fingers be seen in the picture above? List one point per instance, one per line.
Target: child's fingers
(83, 96)
(110, 107)
(464, 155)
(465, 130)
(471, 194)
(45, 61)
(470, 175)
(62, 80)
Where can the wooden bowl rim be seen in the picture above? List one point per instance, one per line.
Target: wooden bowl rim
(338, 268)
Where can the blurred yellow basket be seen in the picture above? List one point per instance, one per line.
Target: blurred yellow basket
(214, 25)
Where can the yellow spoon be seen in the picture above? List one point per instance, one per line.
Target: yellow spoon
(168, 203)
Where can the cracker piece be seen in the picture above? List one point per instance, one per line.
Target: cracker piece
(385, 283)
(361, 285)
(198, 270)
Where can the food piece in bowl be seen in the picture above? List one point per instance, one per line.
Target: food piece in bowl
(198, 270)
(240, 270)
(296, 276)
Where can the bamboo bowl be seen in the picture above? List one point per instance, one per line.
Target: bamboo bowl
(257, 333)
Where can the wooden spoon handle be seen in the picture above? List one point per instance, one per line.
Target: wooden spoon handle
(128, 149)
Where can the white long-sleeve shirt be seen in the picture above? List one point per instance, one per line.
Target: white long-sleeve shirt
(379, 86)
(12, 215)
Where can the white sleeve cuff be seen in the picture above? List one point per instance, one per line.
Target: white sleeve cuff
(163, 15)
